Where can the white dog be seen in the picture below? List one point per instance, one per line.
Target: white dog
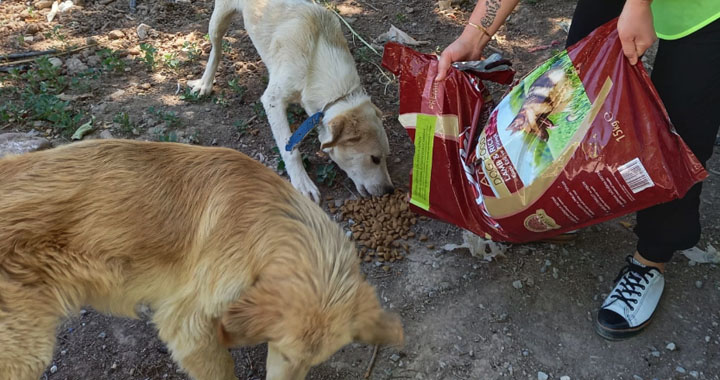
(309, 63)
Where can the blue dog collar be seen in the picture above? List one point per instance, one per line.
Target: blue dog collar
(303, 130)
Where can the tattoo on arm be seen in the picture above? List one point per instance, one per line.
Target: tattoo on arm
(491, 10)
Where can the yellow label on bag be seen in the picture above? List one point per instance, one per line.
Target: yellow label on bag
(422, 161)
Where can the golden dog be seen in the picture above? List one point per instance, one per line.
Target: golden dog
(221, 248)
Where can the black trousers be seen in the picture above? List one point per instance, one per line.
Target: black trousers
(686, 74)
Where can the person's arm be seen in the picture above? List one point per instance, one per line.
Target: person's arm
(636, 29)
(487, 18)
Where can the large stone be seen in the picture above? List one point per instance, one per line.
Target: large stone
(18, 143)
(75, 66)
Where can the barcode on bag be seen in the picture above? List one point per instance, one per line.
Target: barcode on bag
(635, 175)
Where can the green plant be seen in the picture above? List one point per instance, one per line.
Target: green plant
(124, 121)
(171, 60)
(56, 34)
(280, 168)
(44, 78)
(167, 137)
(259, 110)
(364, 54)
(148, 57)
(401, 17)
(189, 96)
(241, 127)
(326, 174)
(220, 99)
(111, 61)
(226, 47)
(171, 119)
(34, 97)
(237, 88)
(192, 50)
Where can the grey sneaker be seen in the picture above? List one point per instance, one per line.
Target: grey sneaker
(630, 306)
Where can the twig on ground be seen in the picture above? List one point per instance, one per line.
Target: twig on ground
(350, 191)
(352, 30)
(372, 362)
(13, 56)
(56, 54)
(371, 6)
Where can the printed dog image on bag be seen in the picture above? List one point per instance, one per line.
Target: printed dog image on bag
(535, 122)
(550, 93)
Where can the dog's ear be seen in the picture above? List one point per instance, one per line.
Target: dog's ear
(343, 129)
(248, 321)
(374, 325)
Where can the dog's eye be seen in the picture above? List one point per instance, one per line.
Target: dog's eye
(375, 160)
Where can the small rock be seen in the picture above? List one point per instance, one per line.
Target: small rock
(655, 353)
(394, 357)
(444, 5)
(63, 352)
(409, 10)
(106, 135)
(517, 284)
(636, 377)
(698, 284)
(694, 374)
(542, 375)
(91, 41)
(143, 30)
(707, 339)
(83, 312)
(94, 60)
(564, 377)
(145, 86)
(42, 4)
(117, 95)
(530, 282)
(53, 369)
(32, 28)
(18, 143)
(55, 61)
(75, 66)
(671, 346)
(116, 34)
(102, 335)
(680, 369)
(555, 273)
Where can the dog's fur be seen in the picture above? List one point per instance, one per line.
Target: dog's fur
(223, 250)
(309, 63)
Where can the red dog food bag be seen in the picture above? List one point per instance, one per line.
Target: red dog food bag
(581, 139)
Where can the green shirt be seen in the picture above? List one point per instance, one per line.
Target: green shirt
(678, 18)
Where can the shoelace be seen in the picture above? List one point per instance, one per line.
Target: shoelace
(631, 276)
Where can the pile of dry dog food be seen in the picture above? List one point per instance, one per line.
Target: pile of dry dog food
(379, 224)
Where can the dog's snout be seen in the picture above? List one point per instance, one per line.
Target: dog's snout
(389, 189)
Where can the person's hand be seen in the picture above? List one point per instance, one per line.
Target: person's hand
(466, 48)
(635, 28)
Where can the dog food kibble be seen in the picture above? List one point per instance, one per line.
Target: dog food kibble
(377, 223)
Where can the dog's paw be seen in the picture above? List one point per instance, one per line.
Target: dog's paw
(198, 87)
(307, 188)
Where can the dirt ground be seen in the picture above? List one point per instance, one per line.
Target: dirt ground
(465, 318)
